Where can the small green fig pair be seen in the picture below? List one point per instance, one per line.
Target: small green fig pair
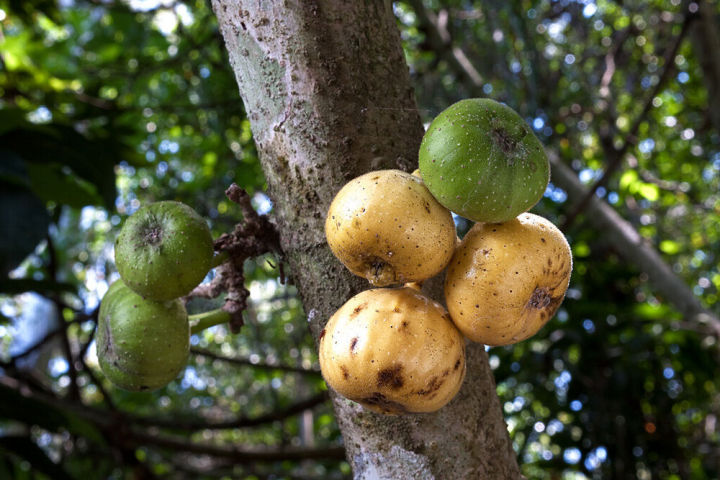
(141, 344)
(164, 250)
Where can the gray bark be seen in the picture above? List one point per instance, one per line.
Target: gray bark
(328, 94)
(706, 45)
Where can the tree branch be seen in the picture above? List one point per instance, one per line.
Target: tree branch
(238, 455)
(633, 247)
(706, 45)
(246, 362)
(439, 38)
(614, 155)
(52, 268)
(242, 422)
(81, 356)
(624, 236)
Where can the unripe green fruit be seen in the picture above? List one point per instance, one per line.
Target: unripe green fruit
(164, 250)
(482, 161)
(141, 344)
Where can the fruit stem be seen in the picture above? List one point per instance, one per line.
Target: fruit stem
(201, 321)
(219, 259)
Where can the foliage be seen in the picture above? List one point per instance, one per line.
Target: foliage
(618, 385)
(110, 104)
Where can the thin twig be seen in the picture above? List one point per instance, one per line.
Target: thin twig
(246, 362)
(64, 337)
(239, 455)
(633, 247)
(176, 423)
(616, 155)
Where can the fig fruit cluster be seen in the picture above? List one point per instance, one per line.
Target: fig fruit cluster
(394, 350)
(163, 251)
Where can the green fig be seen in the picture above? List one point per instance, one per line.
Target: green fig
(164, 250)
(141, 344)
(482, 161)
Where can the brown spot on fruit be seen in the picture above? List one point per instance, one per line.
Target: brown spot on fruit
(322, 333)
(353, 344)
(432, 386)
(540, 298)
(345, 372)
(505, 141)
(358, 309)
(390, 377)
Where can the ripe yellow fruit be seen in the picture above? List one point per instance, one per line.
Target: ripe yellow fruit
(507, 280)
(393, 350)
(385, 226)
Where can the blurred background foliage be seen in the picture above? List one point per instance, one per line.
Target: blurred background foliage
(108, 104)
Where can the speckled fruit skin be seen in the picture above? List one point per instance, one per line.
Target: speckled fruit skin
(141, 344)
(164, 250)
(482, 161)
(507, 280)
(385, 226)
(394, 351)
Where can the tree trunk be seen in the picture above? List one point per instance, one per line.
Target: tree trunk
(328, 95)
(706, 46)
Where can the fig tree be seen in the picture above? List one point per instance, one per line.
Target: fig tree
(393, 350)
(507, 280)
(385, 226)
(482, 161)
(164, 250)
(141, 344)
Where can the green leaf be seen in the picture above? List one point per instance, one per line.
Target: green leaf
(45, 414)
(581, 249)
(11, 118)
(91, 160)
(12, 168)
(649, 191)
(14, 286)
(52, 182)
(670, 247)
(24, 221)
(628, 178)
(27, 450)
(27, 10)
(650, 311)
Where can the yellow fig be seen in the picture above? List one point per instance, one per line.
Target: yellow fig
(393, 350)
(507, 280)
(385, 226)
